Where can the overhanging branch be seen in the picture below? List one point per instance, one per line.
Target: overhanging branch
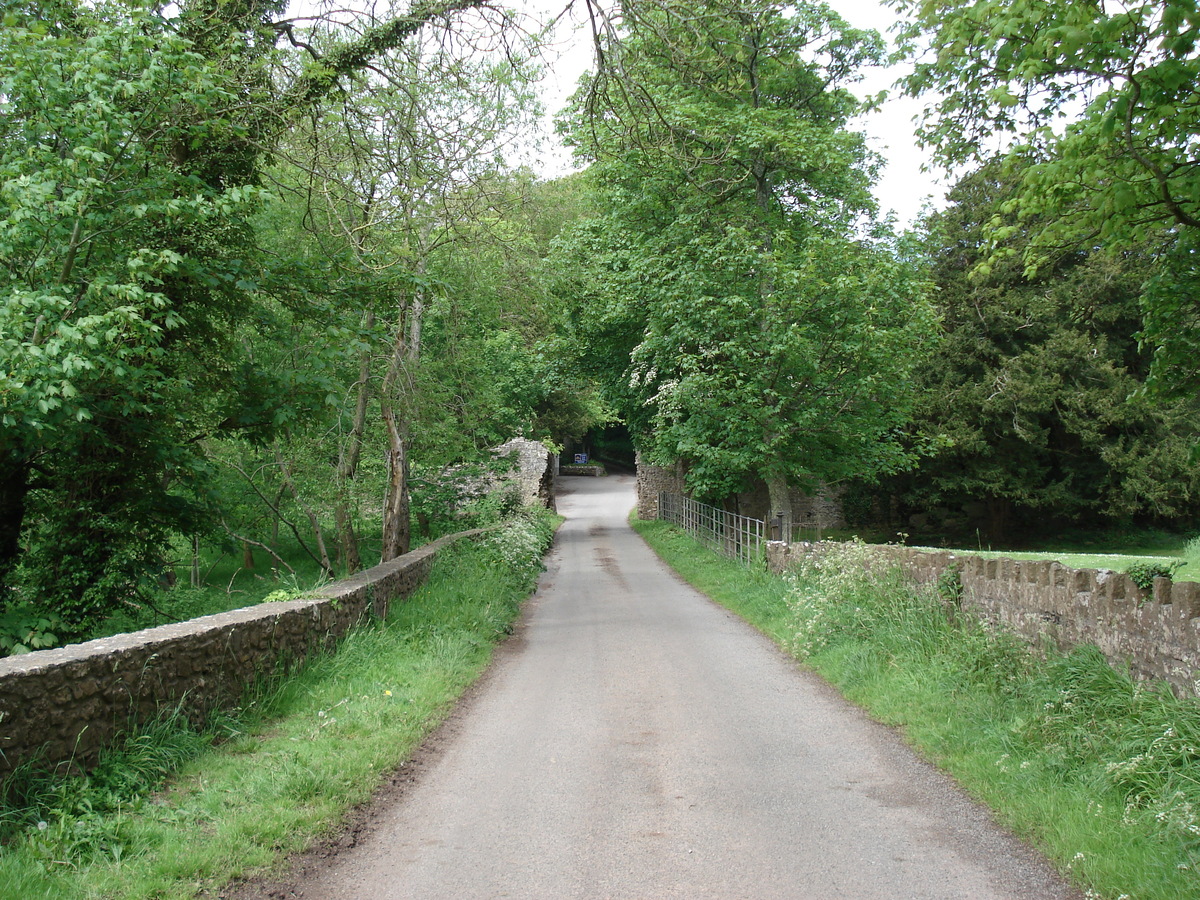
(321, 77)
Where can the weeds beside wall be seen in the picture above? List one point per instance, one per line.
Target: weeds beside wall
(64, 705)
(1155, 633)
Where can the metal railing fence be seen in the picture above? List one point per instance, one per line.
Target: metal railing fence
(738, 537)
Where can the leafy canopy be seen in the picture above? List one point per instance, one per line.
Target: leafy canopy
(750, 328)
(1096, 105)
(1034, 393)
(1100, 97)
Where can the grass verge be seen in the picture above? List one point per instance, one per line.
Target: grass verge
(175, 813)
(1101, 773)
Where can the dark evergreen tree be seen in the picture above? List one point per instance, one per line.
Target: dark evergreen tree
(1035, 404)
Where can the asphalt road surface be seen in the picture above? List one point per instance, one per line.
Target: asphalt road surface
(636, 741)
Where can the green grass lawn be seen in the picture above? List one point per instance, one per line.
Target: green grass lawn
(1114, 549)
(1118, 562)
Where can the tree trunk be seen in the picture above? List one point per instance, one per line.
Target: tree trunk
(347, 537)
(313, 522)
(348, 464)
(395, 403)
(397, 522)
(999, 511)
(275, 519)
(195, 562)
(779, 515)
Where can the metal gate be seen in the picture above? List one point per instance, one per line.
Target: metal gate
(738, 537)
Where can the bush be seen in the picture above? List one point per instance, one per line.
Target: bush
(1144, 573)
(23, 629)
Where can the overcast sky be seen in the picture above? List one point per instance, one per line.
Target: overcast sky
(903, 187)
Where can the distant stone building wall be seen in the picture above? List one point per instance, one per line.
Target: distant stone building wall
(1156, 633)
(811, 511)
(66, 704)
(820, 510)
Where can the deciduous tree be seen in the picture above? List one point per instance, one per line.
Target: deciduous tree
(132, 143)
(1096, 105)
(766, 328)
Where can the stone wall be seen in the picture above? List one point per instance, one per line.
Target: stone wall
(820, 510)
(589, 471)
(64, 705)
(536, 468)
(811, 511)
(653, 480)
(1156, 633)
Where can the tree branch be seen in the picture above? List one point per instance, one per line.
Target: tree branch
(275, 509)
(238, 537)
(321, 77)
(1164, 185)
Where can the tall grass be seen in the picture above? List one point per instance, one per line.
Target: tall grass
(1098, 771)
(225, 584)
(179, 812)
(1191, 558)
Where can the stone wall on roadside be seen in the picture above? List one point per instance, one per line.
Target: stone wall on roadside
(590, 470)
(536, 469)
(814, 511)
(654, 480)
(66, 704)
(1156, 633)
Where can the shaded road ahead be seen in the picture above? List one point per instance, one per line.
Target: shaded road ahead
(637, 741)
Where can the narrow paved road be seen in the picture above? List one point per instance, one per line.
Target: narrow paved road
(639, 742)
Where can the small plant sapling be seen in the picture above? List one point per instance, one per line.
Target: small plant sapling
(1143, 574)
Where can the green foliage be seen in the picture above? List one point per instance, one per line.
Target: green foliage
(159, 319)
(949, 584)
(288, 766)
(121, 256)
(436, 251)
(1072, 722)
(96, 554)
(1143, 574)
(1096, 770)
(1121, 169)
(87, 816)
(1099, 105)
(24, 628)
(1135, 742)
(1171, 326)
(744, 322)
(1034, 404)
(517, 547)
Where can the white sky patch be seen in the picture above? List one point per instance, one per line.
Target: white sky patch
(904, 188)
